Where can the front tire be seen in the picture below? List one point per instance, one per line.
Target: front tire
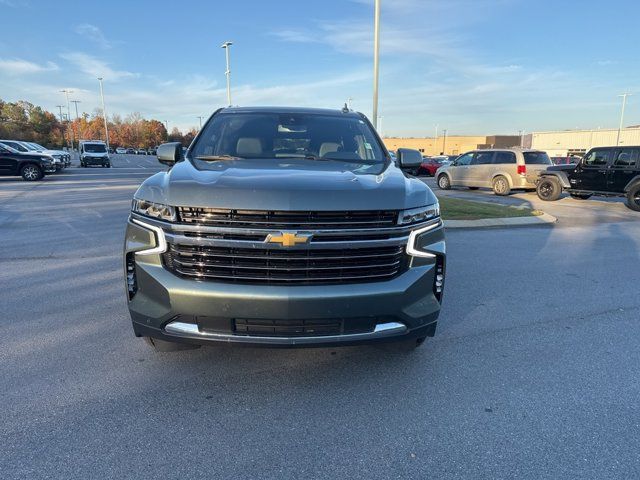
(633, 198)
(31, 173)
(549, 189)
(501, 186)
(443, 182)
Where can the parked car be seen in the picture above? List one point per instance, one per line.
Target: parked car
(604, 171)
(502, 170)
(152, 151)
(131, 151)
(28, 165)
(141, 151)
(288, 208)
(121, 150)
(64, 155)
(94, 152)
(428, 167)
(55, 156)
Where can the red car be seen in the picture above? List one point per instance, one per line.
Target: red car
(428, 167)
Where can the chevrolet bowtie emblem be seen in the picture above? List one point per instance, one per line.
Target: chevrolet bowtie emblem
(288, 239)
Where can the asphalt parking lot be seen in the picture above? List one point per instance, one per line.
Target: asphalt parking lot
(533, 372)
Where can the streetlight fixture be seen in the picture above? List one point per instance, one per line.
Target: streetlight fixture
(444, 141)
(104, 113)
(624, 104)
(376, 54)
(226, 46)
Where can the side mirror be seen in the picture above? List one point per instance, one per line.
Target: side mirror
(170, 153)
(408, 158)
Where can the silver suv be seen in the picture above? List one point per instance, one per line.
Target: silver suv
(502, 170)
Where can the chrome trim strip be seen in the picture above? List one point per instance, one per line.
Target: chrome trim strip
(412, 250)
(159, 234)
(184, 329)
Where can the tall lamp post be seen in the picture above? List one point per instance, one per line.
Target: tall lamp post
(444, 142)
(66, 92)
(376, 54)
(104, 113)
(624, 104)
(226, 46)
(76, 102)
(200, 119)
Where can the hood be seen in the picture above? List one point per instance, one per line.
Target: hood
(561, 168)
(286, 185)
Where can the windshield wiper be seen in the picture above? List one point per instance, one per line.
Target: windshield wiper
(214, 158)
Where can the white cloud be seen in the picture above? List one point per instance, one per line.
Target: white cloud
(93, 34)
(95, 67)
(17, 66)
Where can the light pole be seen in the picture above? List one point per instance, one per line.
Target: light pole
(521, 135)
(380, 125)
(376, 54)
(624, 104)
(349, 100)
(444, 141)
(200, 119)
(59, 107)
(76, 102)
(64, 137)
(104, 113)
(66, 92)
(226, 46)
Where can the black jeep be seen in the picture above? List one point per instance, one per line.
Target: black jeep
(606, 171)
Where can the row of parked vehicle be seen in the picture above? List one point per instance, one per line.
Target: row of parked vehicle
(30, 160)
(603, 171)
(136, 151)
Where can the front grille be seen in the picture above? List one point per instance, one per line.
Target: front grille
(287, 220)
(283, 266)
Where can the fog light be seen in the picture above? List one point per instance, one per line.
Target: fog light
(132, 282)
(438, 282)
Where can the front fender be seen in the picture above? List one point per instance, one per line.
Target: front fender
(635, 180)
(561, 176)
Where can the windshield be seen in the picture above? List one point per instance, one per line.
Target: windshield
(94, 148)
(288, 135)
(537, 158)
(37, 146)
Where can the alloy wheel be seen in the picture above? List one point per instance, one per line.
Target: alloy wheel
(30, 172)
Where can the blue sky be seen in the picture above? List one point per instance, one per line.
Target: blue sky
(470, 66)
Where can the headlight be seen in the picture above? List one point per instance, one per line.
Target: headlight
(154, 210)
(57, 157)
(46, 159)
(418, 215)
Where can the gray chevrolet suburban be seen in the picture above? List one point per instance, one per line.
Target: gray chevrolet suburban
(284, 227)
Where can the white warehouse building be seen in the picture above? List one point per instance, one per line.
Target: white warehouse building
(577, 142)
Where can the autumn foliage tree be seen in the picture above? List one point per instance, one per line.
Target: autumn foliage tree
(24, 121)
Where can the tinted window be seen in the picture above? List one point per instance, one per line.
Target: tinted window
(17, 146)
(464, 159)
(505, 157)
(536, 158)
(482, 158)
(596, 158)
(626, 157)
(288, 135)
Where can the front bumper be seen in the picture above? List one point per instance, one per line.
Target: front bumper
(95, 161)
(176, 309)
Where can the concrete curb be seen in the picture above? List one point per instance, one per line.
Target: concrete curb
(543, 219)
